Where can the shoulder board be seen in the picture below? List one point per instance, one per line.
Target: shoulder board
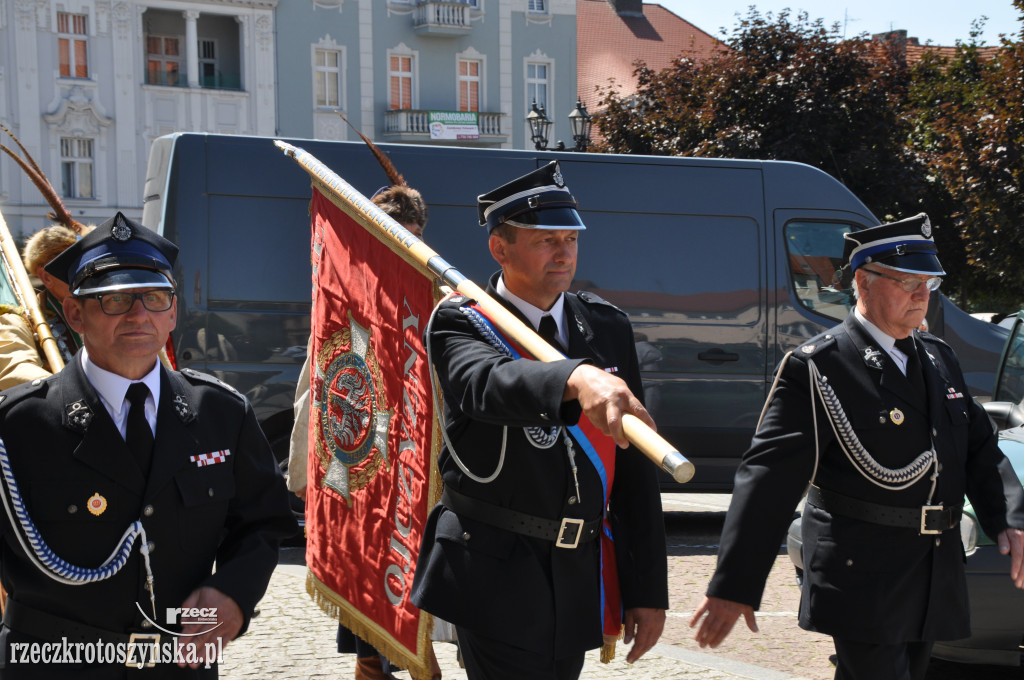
(928, 337)
(14, 394)
(815, 344)
(197, 378)
(592, 299)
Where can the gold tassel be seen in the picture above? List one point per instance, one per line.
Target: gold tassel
(608, 648)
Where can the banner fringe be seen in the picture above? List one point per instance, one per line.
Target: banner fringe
(361, 626)
(608, 648)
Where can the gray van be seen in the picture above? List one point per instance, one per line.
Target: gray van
(722, 265)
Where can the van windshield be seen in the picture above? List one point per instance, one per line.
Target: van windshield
(815, 252)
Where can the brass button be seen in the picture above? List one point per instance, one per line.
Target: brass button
(572, 500)
(146, 623)
(849, 563)
(210, 491)
(72, 509)
(151, 546)
(938, 542)
(465, 535)
(148, 511)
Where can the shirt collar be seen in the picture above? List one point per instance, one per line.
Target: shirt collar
(534, 313)
(884, 340)
(112, 387)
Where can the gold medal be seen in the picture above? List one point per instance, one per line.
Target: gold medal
(896, 416)
(97, 504)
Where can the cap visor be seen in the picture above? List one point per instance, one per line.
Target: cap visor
(552, 218)
(123, 279)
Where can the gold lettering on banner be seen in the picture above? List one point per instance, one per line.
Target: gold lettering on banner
(396, 572)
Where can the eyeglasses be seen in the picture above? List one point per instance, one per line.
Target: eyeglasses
(910, 285)
(115, 304)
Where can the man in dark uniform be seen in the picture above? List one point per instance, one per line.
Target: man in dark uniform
(877, 417)
(126, 483)
(509, 556)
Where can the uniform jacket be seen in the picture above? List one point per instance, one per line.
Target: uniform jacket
(504, 585)
(864, 581)
(64, 449)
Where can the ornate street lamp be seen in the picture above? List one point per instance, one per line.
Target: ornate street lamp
(580, 122)
(539, 125)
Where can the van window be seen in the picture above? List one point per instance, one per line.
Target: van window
(714, 277)
(815, 252)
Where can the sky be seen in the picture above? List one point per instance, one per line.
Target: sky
(942, 22)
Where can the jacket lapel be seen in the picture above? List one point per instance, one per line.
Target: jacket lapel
(102, 447)
(882, 367)
(175, 444)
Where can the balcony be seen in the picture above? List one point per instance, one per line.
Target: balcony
(442, 19)
(412, 126)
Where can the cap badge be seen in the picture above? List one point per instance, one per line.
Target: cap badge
(121, 232)
(558, 179)
(926, 229)
(96, 504)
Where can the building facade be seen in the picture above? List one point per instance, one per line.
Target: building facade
(86, 85)
(461, 72)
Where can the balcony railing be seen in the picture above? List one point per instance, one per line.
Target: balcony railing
(442, 18)
(413, 125)
(180, 79)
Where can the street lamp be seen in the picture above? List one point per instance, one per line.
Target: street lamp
(580, 122)
(539, 125)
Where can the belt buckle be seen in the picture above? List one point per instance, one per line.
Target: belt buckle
(147, 638)
(925, 509)
(569, 524)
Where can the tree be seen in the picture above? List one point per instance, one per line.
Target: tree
(968, 113)
(788, 89)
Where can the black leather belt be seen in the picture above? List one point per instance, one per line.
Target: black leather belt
(567, 532)
(928, 519)
(45, 626)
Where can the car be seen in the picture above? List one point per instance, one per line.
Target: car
(996, 606)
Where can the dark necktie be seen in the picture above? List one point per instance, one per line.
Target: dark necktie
(549, 331)
(914, 373)
(138, 435)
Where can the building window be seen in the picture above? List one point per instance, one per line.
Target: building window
(76, 165)
(163, 59)
(71, 43)
(537, 86)
(536, 6)
(327, 78)
(208, 73)
(400, 78)
(469, 85)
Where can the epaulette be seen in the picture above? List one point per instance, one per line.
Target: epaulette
(925, 335)
(815, 344)
(593, 299)
(197, 378)
(14, 394)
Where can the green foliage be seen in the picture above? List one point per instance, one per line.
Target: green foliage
(944, 137)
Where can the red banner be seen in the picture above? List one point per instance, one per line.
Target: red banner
(373, 476)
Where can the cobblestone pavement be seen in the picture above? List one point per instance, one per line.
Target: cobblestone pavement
(292, 640)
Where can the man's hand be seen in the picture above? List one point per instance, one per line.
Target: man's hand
(604, 399)
(229, 622)
(722, 615)
(643, 628)
(1011, 542)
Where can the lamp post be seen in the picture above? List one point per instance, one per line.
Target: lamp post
(580, 122)
(539, 125)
